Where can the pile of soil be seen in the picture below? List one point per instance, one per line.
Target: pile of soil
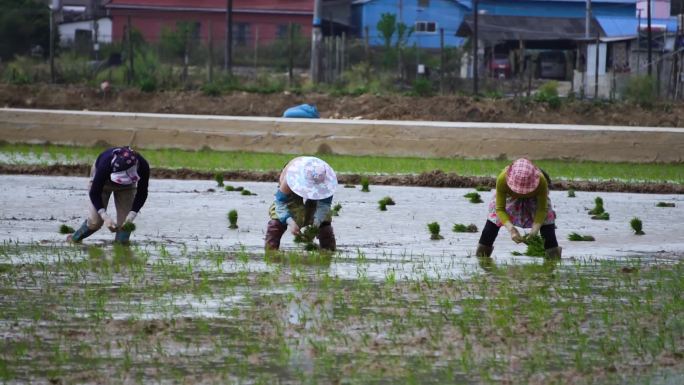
(386, 107)
(434, 178)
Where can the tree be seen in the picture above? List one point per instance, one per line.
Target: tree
(387, 26)
(24, 24)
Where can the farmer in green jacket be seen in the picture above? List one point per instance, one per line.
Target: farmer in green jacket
(521, 199)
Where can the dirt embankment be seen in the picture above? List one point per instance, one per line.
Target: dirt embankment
(390, 107)
(427, 179)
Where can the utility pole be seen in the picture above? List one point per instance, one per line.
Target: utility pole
(228, 52)
(650, 39)
(475, 48)
(316, 37)
(52, 44)
(587, 21)
(638, 52)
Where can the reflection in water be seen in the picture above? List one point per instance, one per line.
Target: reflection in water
(306, 313)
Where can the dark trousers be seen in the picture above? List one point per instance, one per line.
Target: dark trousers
(275, 231)
(490, 231)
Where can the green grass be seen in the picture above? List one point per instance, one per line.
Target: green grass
(213, 161)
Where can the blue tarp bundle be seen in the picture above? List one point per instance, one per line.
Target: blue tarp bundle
(302, 111)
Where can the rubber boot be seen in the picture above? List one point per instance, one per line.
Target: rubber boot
(122, 237)
(484, 250)
(553, 253)
(326, 237)
(274, 231)
(82, 233)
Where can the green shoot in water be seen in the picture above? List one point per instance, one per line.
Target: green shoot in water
(364, 184)
(579, 238)
(461, 228)
(434, 231)
(637, 226)
(233, 218)
(64, 229)
(218, 177)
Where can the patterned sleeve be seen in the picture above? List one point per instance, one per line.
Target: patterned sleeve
(281, 209)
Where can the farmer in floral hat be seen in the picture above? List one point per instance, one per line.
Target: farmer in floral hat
(303, 198)
(521, 199)
(126, 174)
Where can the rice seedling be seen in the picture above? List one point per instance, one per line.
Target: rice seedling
(388, 201)
(218, 177)
(238, 188)
(637, 226)
(349, 186)
(364, 184)
(382, 205)
(601, 217)
(128, 227)
(483, 188)
(232, 219)
(230, 188)
(598, 207)
(474, 197)
(246, 192)
(571, 193)
(535, 245)
(578, 237)
(306, 236)
(461, 228)
(665, 204)
(64, 229)
(336, 210)
(434, 229)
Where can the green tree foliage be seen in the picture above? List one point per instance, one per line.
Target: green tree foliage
(24, 24)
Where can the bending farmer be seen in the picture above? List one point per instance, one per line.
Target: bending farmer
(521, 199)
(126, 174)
(303, 198)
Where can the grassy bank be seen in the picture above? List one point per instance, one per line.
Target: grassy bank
(158, 314)
(207, 160)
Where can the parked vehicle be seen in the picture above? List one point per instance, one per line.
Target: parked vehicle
(500, 66)
(552, 65)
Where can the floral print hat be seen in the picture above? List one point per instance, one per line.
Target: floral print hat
(124, 166)
(522, 176)
(311, 178)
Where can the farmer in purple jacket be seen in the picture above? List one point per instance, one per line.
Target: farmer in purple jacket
(126, 174)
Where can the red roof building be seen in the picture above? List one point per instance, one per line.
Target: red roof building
(267, 19)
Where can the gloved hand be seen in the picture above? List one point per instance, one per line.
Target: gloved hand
(515, 235)
(108, 221)
(535, 230)
(292, 226)
(131, 216)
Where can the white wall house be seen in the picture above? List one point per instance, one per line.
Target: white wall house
(67, 31)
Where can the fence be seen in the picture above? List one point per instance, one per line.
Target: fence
(182, 58)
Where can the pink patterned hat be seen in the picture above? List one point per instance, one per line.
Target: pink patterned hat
(522, 176)
(311, 178)
(124, 166)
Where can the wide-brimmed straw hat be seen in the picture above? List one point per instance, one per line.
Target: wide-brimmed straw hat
(311, 178)
(522, 177)
(124, 166)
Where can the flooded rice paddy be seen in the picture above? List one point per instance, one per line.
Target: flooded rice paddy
(194, 302)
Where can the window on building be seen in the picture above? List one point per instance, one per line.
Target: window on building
(423, 3)
(240, 33)
(426, 26)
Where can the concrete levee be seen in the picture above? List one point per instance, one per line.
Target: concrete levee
(352, 137)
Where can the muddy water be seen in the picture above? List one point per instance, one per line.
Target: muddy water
(193, 214)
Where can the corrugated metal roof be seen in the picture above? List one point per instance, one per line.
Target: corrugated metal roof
(618, 26)
(497, 27)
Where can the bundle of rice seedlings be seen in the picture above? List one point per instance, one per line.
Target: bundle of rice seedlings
(128, 227)
(233, 218)
(218, 177)
(474, 197)
(598, 207)
(578, 237)
(64, 229)
(336, 210)
(637, 226)
(665, 204)
(461, 228)
(434, 231)
(364, 184)
(535, 246)
(571, 193)
(601, 217)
